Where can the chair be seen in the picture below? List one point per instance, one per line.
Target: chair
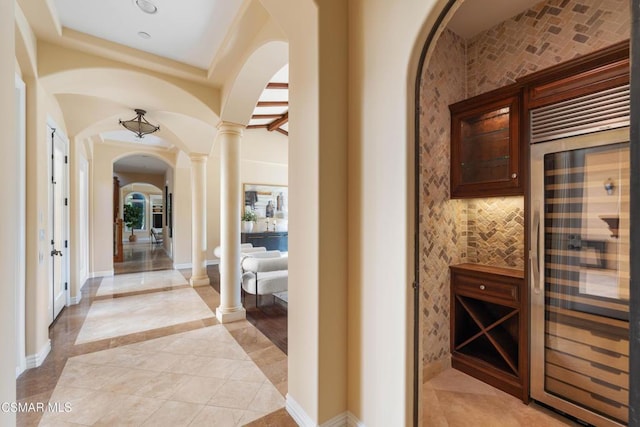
(265, 276)
(156, 236)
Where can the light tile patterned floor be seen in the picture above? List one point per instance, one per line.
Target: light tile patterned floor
(201, 377)
(136, 282)
(154, 371)
(121, 316)
(454, 399)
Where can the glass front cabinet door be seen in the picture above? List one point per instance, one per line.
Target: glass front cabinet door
(485, 146)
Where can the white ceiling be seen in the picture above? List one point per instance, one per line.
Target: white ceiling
(188, 31)
(140, 163)
(475, 16)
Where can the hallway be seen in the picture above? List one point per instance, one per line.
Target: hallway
(146, 349)
(143, 255)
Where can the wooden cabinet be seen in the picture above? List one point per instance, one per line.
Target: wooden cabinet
(272, 240)
(485, 145)
(489, 338)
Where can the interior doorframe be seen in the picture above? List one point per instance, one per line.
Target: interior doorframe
(21, 266)
(634, 303)
(58, 133)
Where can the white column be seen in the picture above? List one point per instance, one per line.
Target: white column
(230, 309)
(199, 275)
(9, 223)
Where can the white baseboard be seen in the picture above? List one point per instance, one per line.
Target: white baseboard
(20, 369)
(213, 261)
(75, 300)
(184, 266)
(298, 414)
(35, 360)
(340, 420)
(106, 273)
(353, 421)
(346, 419)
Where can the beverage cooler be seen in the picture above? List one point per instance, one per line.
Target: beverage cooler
(579, 257)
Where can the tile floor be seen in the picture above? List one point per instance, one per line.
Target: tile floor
(142, 255)
(147, 350)
(454, 399)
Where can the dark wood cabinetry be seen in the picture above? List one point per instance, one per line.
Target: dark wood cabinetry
(489, 337)
(485, 145)
(272, 240)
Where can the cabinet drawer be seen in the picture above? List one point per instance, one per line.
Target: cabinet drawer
(486, 288)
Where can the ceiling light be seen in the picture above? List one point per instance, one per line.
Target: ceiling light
(139, 125)
(144, 35)
(146, 6)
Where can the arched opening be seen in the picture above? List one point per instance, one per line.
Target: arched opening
(142, 184)
(486, 230)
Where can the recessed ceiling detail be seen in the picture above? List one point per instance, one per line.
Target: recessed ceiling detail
(188, 31)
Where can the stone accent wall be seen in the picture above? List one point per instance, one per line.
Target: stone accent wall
(442, 224)
(547, 34)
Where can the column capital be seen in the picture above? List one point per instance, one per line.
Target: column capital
(230, 128)
(198, 157)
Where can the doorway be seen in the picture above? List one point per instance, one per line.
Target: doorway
(59, 221)
(444, 225)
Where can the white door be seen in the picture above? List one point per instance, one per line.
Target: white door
(59, 282)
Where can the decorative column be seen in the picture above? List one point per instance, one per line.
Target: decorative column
(230, 309)
(199, 275)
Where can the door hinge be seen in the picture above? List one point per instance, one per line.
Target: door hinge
(66, 159)
(66, 286)
(66, 243)
(66, 201)
(52, 242)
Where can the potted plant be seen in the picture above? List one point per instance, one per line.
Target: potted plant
(248, 218)
(133, 218)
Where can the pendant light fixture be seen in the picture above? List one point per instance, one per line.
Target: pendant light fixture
(139, 125)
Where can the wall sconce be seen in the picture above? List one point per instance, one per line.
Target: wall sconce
(609, 186)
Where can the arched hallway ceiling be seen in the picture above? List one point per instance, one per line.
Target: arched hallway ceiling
(140, 163)
(92, 59)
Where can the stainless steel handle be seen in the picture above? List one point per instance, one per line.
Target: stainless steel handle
(533, 253)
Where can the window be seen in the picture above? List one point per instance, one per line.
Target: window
(137, 199)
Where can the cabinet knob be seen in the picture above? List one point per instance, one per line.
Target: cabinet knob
(514, 175)
(482, 287)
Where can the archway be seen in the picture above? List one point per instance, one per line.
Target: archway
(437, 86)
(141, 188)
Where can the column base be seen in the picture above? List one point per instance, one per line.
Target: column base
(200, 281)
(231, 315)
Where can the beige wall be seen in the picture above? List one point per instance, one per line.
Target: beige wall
(386, 40)
(9, 223)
